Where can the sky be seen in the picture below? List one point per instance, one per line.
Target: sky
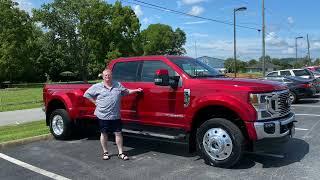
(285, 20)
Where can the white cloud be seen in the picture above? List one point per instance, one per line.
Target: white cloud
(191, 1)
(290, 20)
(272, 39)
(195, 22)
(315, 45)
(146, 20)
(196, 10)
(289, 50)
(179, 4)
(137, 10)
(199, 35)
(25, 5)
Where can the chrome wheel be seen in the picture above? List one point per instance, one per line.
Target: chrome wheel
(57, 125)
(217, 144)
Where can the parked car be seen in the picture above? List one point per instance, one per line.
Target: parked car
(316, 81)
(183, 99)
(304, 73)
(299, 87)
(314, 68)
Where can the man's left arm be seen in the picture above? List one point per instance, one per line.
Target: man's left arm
(125, 91)
(131, 91)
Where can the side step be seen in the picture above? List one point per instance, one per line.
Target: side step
(153, 134)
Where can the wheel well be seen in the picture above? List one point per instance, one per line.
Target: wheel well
(53, 105)
(209, 112)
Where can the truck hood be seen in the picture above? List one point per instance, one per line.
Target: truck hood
(253, 85)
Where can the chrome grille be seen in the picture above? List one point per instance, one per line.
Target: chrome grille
(284, 103)
(278, 103)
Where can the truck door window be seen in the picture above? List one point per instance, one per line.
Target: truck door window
(125, 71)
(149, 68)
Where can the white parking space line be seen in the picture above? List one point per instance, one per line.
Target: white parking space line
(301, 129)
(312, 99)
(33, 168)
(302, 105)
(306, 135)
(316, 115)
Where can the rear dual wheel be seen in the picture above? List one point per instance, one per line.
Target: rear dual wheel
(61, 126)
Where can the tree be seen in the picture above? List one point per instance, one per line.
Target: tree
(16, 32)
(229, 65)
(160, 39)
(81, 34)
(316, 62)
(252, 62)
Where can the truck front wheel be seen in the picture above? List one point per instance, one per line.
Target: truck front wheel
(60, 124)
(220, 142)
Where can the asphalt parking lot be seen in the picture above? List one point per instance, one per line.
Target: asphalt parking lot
(81, 158)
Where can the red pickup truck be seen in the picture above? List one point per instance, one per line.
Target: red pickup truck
(183, 99)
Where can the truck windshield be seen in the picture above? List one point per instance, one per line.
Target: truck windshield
(196, 68)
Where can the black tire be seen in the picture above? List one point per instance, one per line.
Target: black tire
(67, 125)
(233, 132)
(294, 96)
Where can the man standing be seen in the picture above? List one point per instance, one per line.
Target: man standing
(107, 98)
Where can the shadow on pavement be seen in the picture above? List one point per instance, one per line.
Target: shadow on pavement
(293, 151)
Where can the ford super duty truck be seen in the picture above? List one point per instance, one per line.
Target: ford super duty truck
(183, 99)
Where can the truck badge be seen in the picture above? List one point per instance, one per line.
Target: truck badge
(186, 97)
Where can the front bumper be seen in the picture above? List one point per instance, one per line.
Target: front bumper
(276, 129)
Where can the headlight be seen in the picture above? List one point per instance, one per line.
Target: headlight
(266, 105)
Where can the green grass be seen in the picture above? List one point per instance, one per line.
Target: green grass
(20, 98)
(25, 130)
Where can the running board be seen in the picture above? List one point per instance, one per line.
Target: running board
(146, 133)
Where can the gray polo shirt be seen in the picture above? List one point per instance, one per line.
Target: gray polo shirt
(108, 101)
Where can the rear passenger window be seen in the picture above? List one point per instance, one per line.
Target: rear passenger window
(149, 68)
(285, 73)
(125, 71)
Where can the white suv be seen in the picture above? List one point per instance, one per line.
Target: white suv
(292, 72)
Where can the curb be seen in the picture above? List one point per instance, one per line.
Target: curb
(25, 141)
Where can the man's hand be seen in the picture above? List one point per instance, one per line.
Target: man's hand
(139, 90)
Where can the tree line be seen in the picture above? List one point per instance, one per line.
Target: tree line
(281, 63)
(80, 36)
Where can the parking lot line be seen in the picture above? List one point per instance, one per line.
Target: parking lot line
(33, 168)
(302, 105)
(310, 99)
(301, 129)
(308, 115)
(306, 135)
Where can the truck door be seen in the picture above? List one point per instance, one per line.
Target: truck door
(127, 74)
(160, 105)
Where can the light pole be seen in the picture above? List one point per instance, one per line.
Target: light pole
(300, 37)
(234, 37)
(263, 41)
